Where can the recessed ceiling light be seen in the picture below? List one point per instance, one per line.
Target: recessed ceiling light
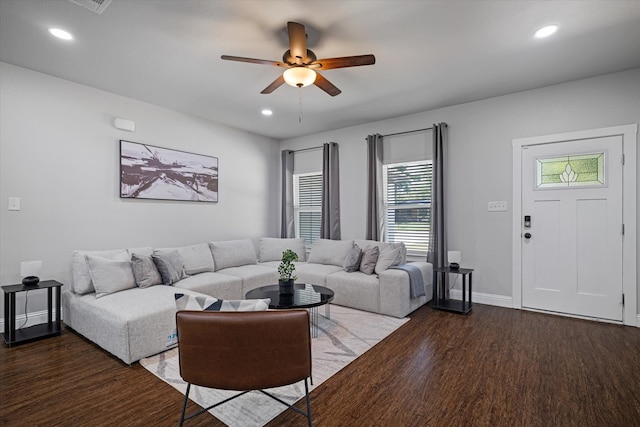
(61, 34)
(546, 31)
(267, 112)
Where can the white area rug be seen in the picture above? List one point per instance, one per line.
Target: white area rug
(348, 334)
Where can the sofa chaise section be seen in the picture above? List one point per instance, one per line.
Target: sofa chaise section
(132, 324)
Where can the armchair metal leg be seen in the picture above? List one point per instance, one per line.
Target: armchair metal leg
(306, 389)
(306, 414)
(184, 405)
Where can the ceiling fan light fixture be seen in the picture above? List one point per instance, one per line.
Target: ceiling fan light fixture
(299, 76)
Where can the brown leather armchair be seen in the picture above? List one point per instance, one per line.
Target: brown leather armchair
(244, 351)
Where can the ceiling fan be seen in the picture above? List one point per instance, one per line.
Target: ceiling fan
(301, 63)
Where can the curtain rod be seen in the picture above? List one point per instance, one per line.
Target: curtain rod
(409, 131)
(308, 149)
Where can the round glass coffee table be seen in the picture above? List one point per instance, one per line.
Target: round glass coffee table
(304, 296)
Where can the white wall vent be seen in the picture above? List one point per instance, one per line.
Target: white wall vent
(97, 6)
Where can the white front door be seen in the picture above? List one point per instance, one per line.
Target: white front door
(572, 244)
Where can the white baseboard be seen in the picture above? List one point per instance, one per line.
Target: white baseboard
(482, 298)
(35, 318)
(501, 301)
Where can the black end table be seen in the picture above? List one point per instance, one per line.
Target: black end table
(51, 328)
(304, 296)
(441, 302)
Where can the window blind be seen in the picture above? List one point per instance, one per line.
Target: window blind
(407, 204)
(307, 206)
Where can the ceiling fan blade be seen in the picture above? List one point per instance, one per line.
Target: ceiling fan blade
(297, 42)
(273, 86)
(254, 61)
(344, 62)
(326, 85)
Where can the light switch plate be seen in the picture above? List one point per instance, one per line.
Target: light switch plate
(499, 206)
(14, 203)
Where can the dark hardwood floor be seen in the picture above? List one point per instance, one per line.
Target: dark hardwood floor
(493, 367)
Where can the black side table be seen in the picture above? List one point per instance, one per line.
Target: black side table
(51, 328)
(441, 302)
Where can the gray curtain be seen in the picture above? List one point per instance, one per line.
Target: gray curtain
(375, 212)
(330, 225)
(437, 254)
(287, 225)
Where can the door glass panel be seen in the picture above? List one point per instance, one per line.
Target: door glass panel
(570, 171)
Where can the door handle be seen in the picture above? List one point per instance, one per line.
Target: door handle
(527, 235)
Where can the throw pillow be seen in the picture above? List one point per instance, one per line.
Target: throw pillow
(402, 253)
(352, 260)
(109, 276)
(271, 248)
(145, 271)
(386, 259)
(170, 266)
(203, 302)
(233, 253)
(81, 283)
(369, 258)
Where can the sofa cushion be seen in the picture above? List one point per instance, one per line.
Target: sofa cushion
(253, 276)
(81, 277)
(169, 265)
(196, 258)
(110, 276)
(352, 260)
(145, 250)
(145, 271)
(369, 258)
(330, 252)
(191, 302)
(271, 248)
(233, 253)
(220, 285)
(314, 274)
(388, 257)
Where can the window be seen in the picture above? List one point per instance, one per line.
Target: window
(407, 204)
(307, 205)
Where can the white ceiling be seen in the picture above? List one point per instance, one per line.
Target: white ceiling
(429, 54)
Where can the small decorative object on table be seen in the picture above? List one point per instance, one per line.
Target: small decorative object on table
(454, 258)
(30, 270)
(286, 269)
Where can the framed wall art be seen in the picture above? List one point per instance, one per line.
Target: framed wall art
(150, 172)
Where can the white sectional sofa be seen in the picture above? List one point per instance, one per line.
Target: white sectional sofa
(119, 299)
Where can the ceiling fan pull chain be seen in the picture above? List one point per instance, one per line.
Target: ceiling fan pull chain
(300, 103)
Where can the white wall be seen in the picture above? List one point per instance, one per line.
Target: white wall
(60, 154)
(480, 157)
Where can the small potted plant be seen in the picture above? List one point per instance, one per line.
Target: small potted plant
(286, 269)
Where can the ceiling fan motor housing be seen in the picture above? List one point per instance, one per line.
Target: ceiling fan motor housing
(289, 59)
